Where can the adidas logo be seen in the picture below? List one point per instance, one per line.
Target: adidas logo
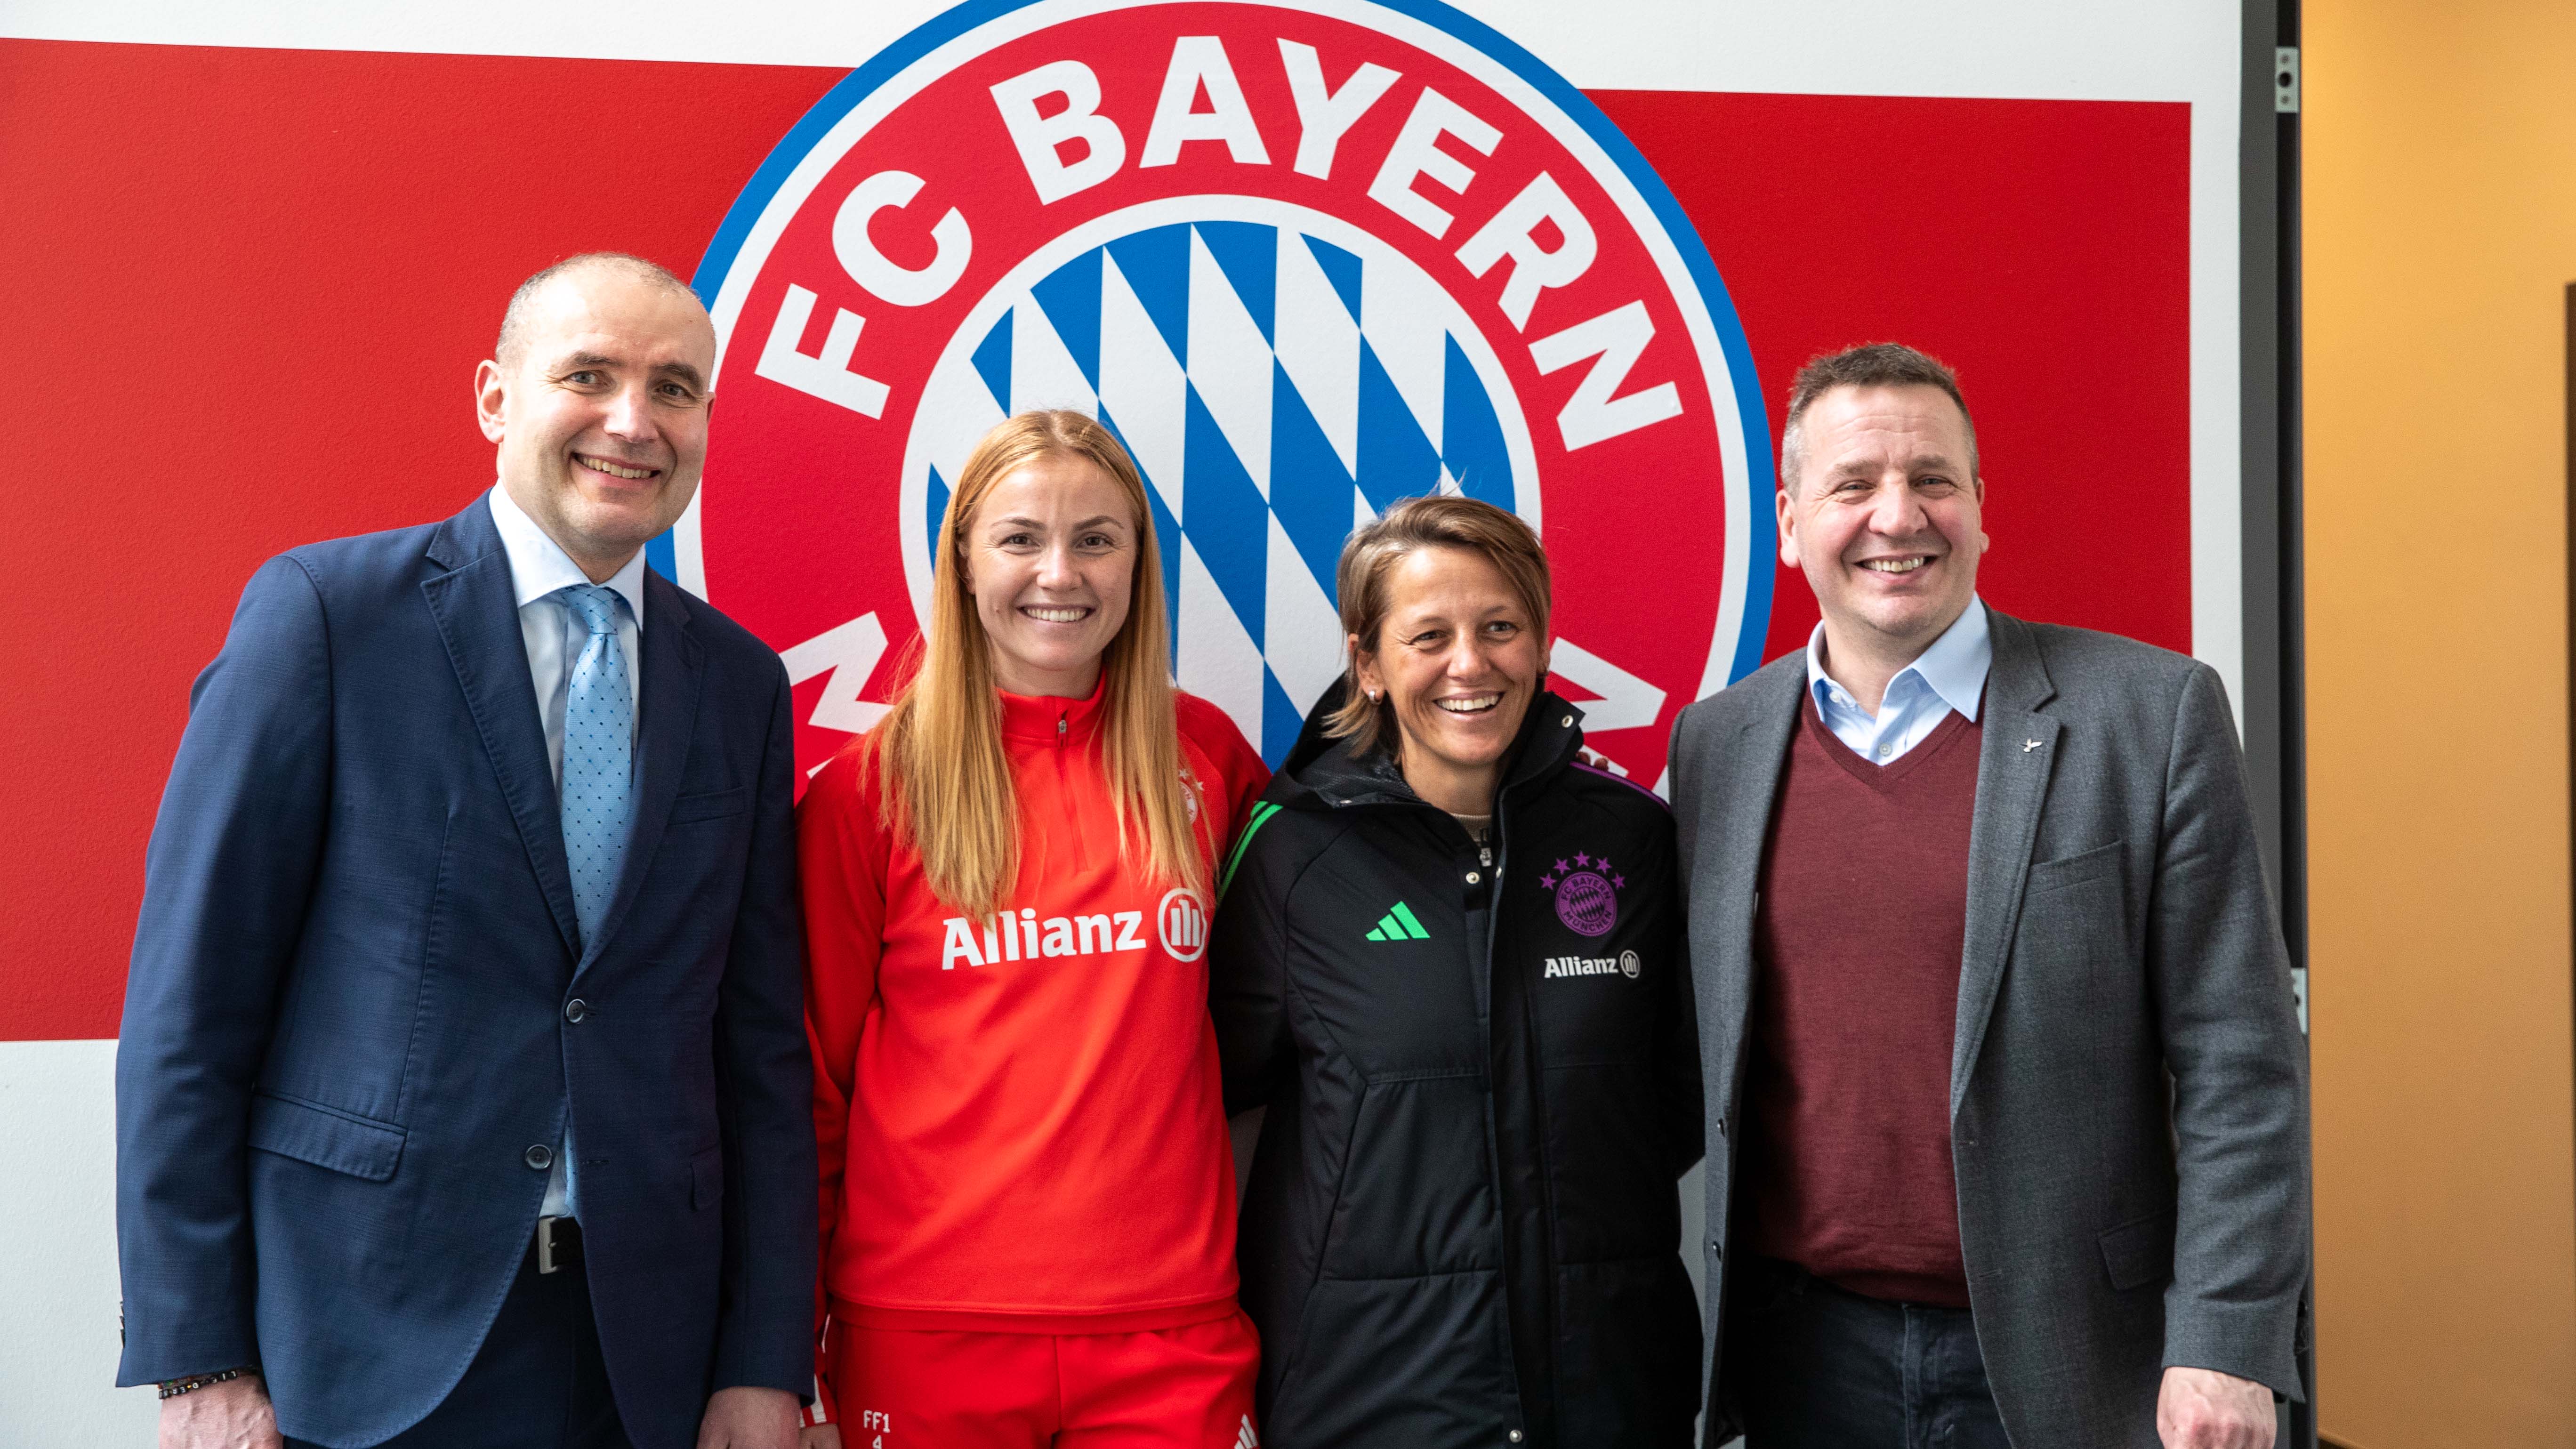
(1399, 925)
(1247, 1439)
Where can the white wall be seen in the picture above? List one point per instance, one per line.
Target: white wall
(58, 1293)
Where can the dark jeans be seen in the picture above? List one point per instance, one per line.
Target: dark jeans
(537, 1383)
(1814, 1366)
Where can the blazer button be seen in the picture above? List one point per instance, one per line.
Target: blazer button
(1716, 1249)
(1516, 1434)
(576, 1009)
(540, 1157)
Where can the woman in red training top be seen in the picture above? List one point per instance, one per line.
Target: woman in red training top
(1027, 1196)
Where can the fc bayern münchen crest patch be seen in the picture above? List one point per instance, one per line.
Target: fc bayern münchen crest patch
(1304, 259)
(1587, 894)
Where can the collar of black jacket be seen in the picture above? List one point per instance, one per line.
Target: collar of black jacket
(1323, 773)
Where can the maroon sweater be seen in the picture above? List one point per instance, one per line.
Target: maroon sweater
(1856, 997)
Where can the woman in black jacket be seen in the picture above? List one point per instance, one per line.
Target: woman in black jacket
(1448, 960)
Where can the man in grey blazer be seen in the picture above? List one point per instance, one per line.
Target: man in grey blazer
(2007, 1114)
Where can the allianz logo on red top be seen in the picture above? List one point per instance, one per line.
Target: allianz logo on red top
(1180, 925)
(1304, 258)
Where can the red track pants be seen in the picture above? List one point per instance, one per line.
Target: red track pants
(1173, 1388)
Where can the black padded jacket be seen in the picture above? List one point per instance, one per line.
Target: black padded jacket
(1482, 1079)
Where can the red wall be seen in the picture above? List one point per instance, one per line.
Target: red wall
(249, 288)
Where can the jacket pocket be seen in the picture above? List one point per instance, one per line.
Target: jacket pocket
(343, 1142)
(2140, 1251)
(1415, 1194)
(706, 1179)
(1397, 1363)
(2051, 875)
(711, 804)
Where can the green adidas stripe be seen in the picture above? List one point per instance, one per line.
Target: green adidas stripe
(1399, 925)
(1261, 814)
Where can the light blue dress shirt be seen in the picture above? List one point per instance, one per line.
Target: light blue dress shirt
(1950, 675)
(555, 635)
(553, 630)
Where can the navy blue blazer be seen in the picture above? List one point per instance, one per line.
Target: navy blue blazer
(347, 1018)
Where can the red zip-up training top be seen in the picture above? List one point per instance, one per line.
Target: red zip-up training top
(1021, 1125)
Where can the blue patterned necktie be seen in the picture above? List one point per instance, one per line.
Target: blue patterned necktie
(598, 758)
(598, 781)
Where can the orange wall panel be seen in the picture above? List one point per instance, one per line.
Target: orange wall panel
(2440, 235)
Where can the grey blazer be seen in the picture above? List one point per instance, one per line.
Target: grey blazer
(2128, 1088)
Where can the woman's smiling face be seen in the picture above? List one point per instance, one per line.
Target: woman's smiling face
(1051, 560)
(1458, 659)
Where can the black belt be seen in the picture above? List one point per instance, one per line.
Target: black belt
(558, 1244)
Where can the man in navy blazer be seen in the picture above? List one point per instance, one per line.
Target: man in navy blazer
(462, 1093)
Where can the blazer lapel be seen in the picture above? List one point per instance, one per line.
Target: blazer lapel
(673, 661)
(2013, 768)
(477, 612)
(1745, 779)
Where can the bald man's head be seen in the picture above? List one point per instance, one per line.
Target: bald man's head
(597, 400)
(514, 318)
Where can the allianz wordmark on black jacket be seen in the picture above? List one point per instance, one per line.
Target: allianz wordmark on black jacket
(1482, 1078)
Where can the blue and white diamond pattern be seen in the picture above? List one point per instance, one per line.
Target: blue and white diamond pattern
(1276, 388)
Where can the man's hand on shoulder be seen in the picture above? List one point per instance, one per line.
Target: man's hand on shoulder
(749, 1418)
(234, 1414)
(823, 1436)
(2206, 1409)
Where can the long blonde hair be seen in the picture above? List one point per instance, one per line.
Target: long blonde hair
(948, 786)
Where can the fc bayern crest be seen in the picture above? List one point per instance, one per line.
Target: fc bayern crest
(1305, 259)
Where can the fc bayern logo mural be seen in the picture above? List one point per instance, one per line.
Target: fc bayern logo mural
(1304, 259)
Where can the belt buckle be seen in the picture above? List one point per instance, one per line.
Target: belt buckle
(547, 1248)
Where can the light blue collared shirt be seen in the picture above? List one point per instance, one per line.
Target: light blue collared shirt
(1951, 675)
(555, 635)
(552, 629)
